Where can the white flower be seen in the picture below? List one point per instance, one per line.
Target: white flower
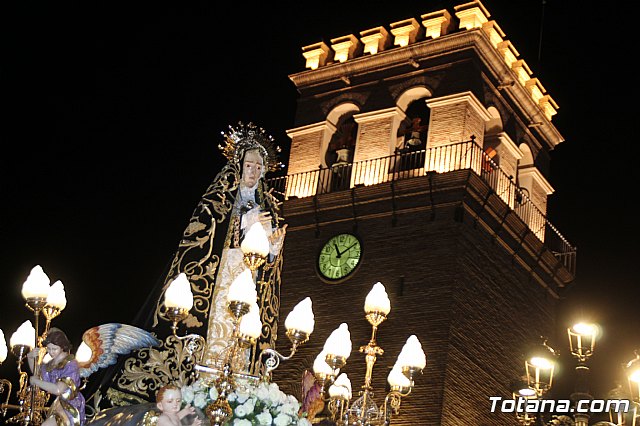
(273, 386)
(232, 397)
(242, 396)
(276, 396)
(304, 422)
(241, 422)
(290, 409)
(213, 393)
(265, 418)
(282, 420)
(240, 411)
(293, 401)
(199, 400)
(249, 405)
(262, 392)
(187, 394)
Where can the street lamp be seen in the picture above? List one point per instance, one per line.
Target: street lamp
(582, 340)
(632, 370)
(521, 391)
(539, 367)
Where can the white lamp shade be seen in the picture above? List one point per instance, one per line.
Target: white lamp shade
(250, 324)
(83, 353)
(36, 285)
(179, 294)
(3, 347)
(24, 335)
(320, 365)
(341, 388)
(377, 300)
(256, 240)
(412, 354)
(57, 297)
(397, 378)
(243, 289)
(301, 317)
(339, 342)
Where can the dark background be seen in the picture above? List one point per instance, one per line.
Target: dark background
(111, 115)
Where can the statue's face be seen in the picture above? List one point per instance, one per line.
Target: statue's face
(54, 350)
(251, 168)
(171, 401)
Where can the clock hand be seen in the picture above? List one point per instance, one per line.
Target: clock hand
(337, 250)
(340, 253)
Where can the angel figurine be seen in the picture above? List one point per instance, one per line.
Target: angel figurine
(311, 403)
(169, 401)
(60, 377)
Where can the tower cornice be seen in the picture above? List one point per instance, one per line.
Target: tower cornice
(500, 73)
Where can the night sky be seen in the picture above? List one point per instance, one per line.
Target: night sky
(112, 113)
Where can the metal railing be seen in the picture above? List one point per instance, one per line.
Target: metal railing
(441, 159)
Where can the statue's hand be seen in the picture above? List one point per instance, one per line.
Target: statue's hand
(265, 219)
(33, 381)
(279, 232)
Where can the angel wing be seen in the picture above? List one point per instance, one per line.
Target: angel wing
(105, 342)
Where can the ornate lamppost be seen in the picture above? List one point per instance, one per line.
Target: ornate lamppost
(632, 370)
(539, 367)
(582, 340)
(522, 391)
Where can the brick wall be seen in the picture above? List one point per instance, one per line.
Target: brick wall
(449, 284)
(374, 138)
(454, 122)
(305, 151)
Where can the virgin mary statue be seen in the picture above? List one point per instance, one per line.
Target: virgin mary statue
(209, 255)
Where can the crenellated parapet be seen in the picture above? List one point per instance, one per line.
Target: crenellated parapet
(429, 29)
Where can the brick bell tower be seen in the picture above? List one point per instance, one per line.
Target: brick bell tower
(427, 140)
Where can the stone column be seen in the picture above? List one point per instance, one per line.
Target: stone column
(308, 144)
(453, 121)
(376, 141)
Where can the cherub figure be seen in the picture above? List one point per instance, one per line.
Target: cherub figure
(169, 400)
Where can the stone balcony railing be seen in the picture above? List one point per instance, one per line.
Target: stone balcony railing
(405, 165)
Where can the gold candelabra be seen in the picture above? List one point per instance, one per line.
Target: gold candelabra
(241, 300)
(219, 411)
(364, 410)
(194, 343)
(271, 358)
(40, 298)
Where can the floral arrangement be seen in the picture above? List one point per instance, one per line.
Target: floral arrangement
(252, 404)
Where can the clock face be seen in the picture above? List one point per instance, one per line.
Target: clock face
(339, 257)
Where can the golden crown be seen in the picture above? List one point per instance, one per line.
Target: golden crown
(245, 137)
